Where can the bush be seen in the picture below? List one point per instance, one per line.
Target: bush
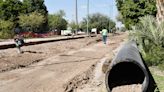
(149, 36)
(6, 29)
(154, 57)
(6, 34)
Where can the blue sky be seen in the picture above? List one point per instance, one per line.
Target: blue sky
(106, 7)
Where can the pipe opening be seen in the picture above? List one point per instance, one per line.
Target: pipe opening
(125, 73)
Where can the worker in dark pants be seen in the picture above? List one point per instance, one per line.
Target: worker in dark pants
(19, 41)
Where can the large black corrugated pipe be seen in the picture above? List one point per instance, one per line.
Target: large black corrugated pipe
(128, 68)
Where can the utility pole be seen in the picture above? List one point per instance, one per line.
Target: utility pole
(110, 13)
(76, 10)
(88, 17)
(109, 17)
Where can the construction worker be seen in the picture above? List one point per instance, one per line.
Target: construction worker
(18, 39)
(104, 35)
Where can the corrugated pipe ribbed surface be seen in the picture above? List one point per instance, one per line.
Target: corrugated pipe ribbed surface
(128, 68)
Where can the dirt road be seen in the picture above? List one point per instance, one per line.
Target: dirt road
(10, 59)
(54, 70)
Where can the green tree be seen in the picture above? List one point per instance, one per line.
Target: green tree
(73, 25)
(30, 6)
(56, 21)
(6, 29)
(32, 21)
(98, 21)
(10, 9)
(132, 10)
(1, 11)
(119, 18)
(60, 13)
(35, 5)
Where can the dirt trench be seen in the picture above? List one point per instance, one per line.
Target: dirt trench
(67, 71)
(10, 59)
(93, 79)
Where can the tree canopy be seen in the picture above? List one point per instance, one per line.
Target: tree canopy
(33, 21)
(13, 10)
(56, 21)
(132, 10)
(35, 5)
(98, 21)
(5, 29)
(10, 9)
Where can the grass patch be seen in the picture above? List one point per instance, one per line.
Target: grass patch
(158, 77)
(161, 67)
